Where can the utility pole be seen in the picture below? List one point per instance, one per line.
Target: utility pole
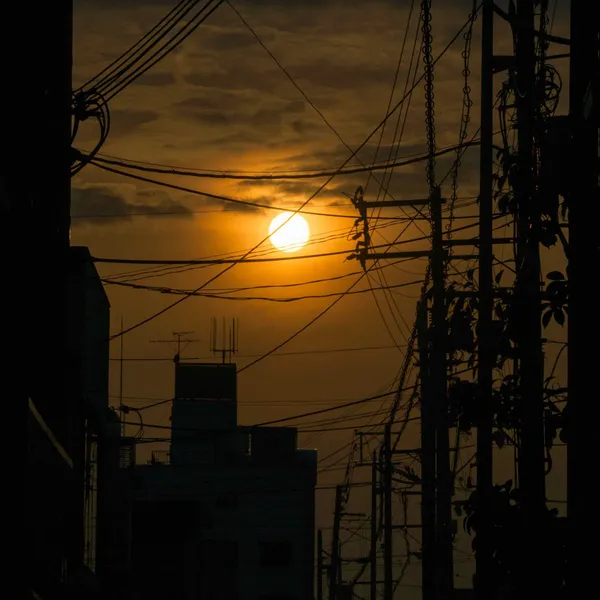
(483, 583)
(439, 391)
(373, 552)
(387, 515)
(428, 448)
(121, 369)
(334, 566)
(584, 215)
(436, 473)
(528, 299)
(319, 564)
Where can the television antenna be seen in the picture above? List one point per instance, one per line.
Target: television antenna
(177, 342)
(229, 339)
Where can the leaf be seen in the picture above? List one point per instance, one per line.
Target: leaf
(555, 276)
(503, 203)
(548, 238)
(499, 277)
(499, 311)
(559, 316)
(498, 437)
(546, 318)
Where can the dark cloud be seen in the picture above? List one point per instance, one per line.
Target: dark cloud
(295, 107)
(156, 78)
(91, 203)
(304, 127)
(125, 121)
(244, 208)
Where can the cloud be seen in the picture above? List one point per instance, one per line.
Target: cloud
(126, 121)
(96, 203)
(221, 102)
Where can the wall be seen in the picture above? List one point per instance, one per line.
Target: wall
(246, 504)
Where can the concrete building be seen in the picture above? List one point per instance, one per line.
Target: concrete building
(64, 434)
(229, 512)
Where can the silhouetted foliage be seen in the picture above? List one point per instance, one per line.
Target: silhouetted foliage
(557, 299)
(509, 528)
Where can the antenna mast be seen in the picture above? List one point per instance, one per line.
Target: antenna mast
(229, 339)
(178, 341)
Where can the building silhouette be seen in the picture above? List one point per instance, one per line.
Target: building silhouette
(229, 512)
(67, 458)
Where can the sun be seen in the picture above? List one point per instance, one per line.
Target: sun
(289, 232)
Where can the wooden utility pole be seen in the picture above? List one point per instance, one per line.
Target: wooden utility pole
(484, 585)
(528, 298)
(584, 258)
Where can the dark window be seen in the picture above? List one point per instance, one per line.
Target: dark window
(227, 501)
(276, 597)
(276, 554)
(217, 555)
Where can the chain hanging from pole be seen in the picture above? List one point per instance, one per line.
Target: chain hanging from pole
(467, 103)
(429, 96)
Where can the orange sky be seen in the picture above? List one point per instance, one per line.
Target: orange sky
(220, 102)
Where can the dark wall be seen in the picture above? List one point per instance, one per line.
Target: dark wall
(170, 561)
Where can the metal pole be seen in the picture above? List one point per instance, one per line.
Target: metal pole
(121, 357)
(374, 494)
(528, 300)
(484, 585)
(319, 565)
(334, 566)
(584, 257)
(387, 507)
(428, 525)
(440, 396)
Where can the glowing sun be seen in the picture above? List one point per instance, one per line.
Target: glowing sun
(289, 236)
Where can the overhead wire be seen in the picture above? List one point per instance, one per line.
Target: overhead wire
(111, 86)
(382, 132)
(284, 258)
(283, 299)
(257, 205)
(109, 69)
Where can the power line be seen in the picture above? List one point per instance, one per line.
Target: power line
(260, 205)
(283, 300)
(309, 199)
(109, 87)
(167, 170)
(242, 259)
(294, 353)
(110, 69)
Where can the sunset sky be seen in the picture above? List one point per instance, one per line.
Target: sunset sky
(220, 102)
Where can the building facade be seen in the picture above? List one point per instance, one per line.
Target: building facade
(67, 436)
(229, 512)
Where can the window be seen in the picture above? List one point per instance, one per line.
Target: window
(217, 555)
(227, 501)
(276, 597)
(276, 554)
